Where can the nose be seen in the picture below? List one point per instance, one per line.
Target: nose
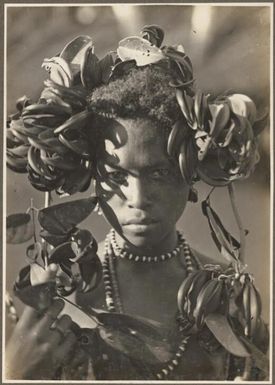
(137, 193)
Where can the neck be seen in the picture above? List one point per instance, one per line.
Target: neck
(164, 245)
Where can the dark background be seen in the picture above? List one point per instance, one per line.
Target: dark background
(229, 48)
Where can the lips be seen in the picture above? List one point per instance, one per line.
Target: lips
(140, 221)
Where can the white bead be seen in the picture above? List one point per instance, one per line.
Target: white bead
(175, 362)
(137, 258)
(163, 257)
(149, 259)
(155, 259)
(144, 258)
(109, 301)
(170, 367)
(159, 376)
(165, 372)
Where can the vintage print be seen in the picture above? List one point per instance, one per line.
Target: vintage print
(137, 192)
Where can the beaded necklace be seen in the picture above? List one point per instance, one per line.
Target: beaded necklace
(113, 300)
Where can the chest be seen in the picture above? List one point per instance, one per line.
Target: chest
(145, 290)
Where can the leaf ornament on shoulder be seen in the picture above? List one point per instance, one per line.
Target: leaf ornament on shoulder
(208, 300)
(222, 330)
(140, 50)
(250, 305)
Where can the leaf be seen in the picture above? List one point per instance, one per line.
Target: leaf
(19, 228)
(259, 358)
(90, 70)
(122, 68)
(59, 70)
(77, 121)
(23, 278)
(62, 253)
(78, 315)
(140, 50)
(106, 64)
(186, 106)
(225, 242)
(78, 181)
(73, 51)
(126, 322)
(220, 327)
(34, 253)
(153, 33)
(244, 106)
(220, 117)
(39, 296)
(19, 219)
(260, 123)
(63, 218)
(39, 275)
(131, 343)
(91, 274)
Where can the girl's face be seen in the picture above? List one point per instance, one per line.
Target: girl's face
(142, 193)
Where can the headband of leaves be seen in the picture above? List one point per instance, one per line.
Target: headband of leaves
(49, 139)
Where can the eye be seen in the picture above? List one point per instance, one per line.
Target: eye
(160, 173)
(117, 176)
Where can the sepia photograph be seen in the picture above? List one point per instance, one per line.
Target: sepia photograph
(137, 193)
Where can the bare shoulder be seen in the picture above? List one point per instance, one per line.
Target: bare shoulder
(100, 251)
(206, 259)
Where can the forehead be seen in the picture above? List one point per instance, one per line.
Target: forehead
(133, 144)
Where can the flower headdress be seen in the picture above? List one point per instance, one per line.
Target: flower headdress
(214, 140)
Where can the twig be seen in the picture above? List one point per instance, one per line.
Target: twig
(33, 221)
(247, 368)
(239, 222)
(44, 243)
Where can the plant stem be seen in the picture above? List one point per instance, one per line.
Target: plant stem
(44, 243)
(239, 222)
(33, 221)
(247, 369)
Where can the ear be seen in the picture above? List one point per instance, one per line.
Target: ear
(193, 195)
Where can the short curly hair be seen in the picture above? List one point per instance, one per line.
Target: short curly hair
(144, 92)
